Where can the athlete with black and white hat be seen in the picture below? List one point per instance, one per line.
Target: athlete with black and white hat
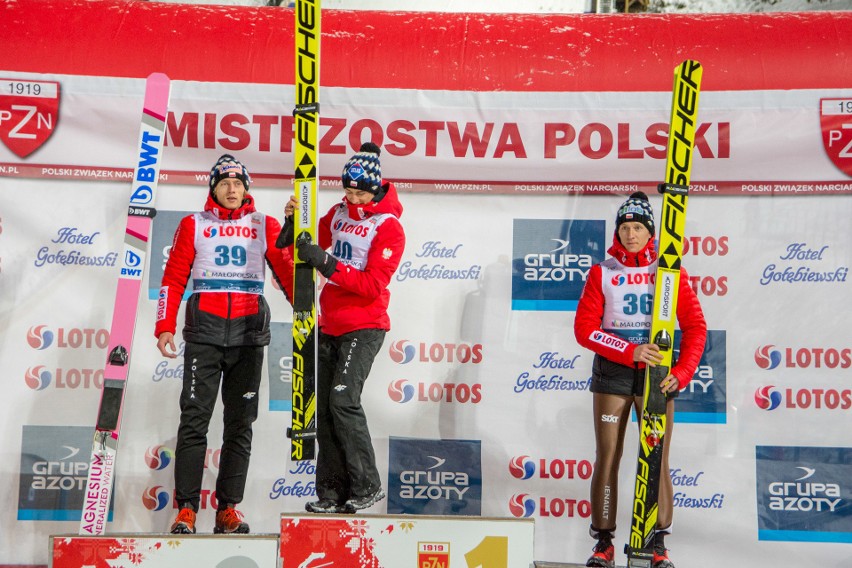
(613, 320)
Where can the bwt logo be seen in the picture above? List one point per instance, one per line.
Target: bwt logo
(769, 358)
(39, 378)
(404, 351)
(229, 231)
(523, 505)
(523, 467)
(155, 498)
(402, 391)
(767, 398)
(795, 399)
(159, 457)
(41, 337)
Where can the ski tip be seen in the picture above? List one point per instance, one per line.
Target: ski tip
(157, 91)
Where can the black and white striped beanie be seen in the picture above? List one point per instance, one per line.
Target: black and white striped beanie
(363, 171)
(637, 208)
(228, 166)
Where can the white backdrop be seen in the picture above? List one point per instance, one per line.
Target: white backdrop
(769, 406)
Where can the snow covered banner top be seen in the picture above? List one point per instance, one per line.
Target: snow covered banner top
(460, 103)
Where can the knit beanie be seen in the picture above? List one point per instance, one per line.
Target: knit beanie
(228, 166)
(363, 170)
(637, 208)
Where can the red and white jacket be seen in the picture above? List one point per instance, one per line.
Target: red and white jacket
(225, 253)
(368, 241)
(613, 314)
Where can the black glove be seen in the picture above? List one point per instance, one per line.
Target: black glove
(318, 258)
(285, 237)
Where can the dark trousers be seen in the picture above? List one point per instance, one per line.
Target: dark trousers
(346, 463)
(239, 371)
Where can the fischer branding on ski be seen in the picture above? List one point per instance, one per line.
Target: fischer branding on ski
(302, 431)
(98, 493)
(675, 190)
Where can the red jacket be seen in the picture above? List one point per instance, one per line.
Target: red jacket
(217, 318)
(690, 318)
(356, 299)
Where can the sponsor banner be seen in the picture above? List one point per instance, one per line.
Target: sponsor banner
(279, 365)
(54, 468)
(526, 143)
(429, 477)
(551, 259)
(390, 541)
(140, 551)
(162, 235)
(803, 493)
(705, 398)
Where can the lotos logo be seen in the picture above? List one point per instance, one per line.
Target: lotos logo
(29, 111)
(400, 391)
(767, 398)
(521, 505)
(155, 498)
(341, 226)
(402, 351)
(806, 398)
(229, 231)
(38, 378)
(766, 357)
(522, 467)
(803, 357)
(642, 279)
(158, 457)
(39, 337)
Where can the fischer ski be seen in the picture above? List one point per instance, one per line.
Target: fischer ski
(675, 190)
(302, 431)
(98, 493)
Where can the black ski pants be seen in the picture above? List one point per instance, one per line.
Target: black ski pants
(238, 369)
(346, 463)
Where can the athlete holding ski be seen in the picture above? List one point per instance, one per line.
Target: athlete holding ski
(367, 241)
(224, 250)
(613, 319)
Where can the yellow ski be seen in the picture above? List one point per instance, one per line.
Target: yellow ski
(675, 190)
(302, 430)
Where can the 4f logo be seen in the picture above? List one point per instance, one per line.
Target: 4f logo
(835, 116)
(29, 111)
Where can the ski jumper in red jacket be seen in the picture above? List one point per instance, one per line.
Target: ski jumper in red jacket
(366, 242)
(613, 320)
(223, 250)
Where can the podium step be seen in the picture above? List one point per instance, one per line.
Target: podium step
(403, 541)
(163, 550)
